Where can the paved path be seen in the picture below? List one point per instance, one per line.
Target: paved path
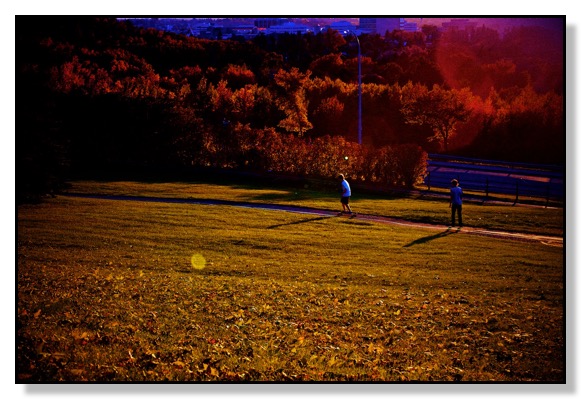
(547, 240)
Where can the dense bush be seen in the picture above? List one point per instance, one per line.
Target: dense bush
(322, 157)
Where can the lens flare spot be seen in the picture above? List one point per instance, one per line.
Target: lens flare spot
(198, 261)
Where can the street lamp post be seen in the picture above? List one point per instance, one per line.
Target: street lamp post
(359, 125)
(359, 122)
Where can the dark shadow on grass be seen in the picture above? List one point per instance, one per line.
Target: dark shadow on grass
(424, 240)
(298, 222)
(271, 197)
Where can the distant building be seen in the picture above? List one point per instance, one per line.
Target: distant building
(459, 24)
(199, 29)
(247, 31)
(225, 28)
(368, 25)
(408, 26)
(342, 27)
(379, 25)
(265, 23)
(289, 27)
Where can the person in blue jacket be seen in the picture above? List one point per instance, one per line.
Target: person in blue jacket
(456, 202)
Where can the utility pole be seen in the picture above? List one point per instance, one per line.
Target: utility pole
(360, 115)
(359, 121)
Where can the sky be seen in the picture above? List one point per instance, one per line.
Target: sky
(365, 8)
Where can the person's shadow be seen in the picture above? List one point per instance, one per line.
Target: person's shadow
(424, 240)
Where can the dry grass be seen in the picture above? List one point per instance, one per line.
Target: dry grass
(107, 291)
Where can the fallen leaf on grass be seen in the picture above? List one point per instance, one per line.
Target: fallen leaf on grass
(179, 364)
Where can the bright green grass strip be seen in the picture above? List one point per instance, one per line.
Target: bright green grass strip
(519, 218)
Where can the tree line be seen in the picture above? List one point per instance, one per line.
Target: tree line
(97, 94)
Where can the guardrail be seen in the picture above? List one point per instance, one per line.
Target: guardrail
(515, 165)
(490, 177)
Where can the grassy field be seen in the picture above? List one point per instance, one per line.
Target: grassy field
(139, 291)
(418, 208)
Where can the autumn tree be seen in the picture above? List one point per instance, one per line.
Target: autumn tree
(238, 76)
(418, 66)
(438, 108)
(331, 40)
(98, 93)
(292, 100)
(329, 113)
(331, 66)
(521, 125)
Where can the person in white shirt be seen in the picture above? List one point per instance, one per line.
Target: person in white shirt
(346, 194)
